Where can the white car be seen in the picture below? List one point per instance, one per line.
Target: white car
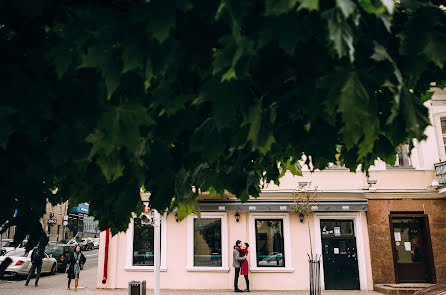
(6, 246)
(274, 260)
(72, 242)
(21, 262)
(95, 242)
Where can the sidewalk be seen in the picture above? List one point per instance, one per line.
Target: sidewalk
(47, 290)
(48, 286)
(57, 285)
(212, 292)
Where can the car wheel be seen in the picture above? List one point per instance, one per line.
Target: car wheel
(53, 269)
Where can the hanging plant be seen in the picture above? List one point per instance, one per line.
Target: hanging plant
(304, 201)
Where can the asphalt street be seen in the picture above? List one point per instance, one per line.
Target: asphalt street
(55, 280)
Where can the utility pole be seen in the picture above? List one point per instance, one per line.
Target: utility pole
(157, 254)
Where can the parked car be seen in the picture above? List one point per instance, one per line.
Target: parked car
(439, 289)
(274, 260)
(62, 254)
(95, 243)
(62, 242)
(8, 246)
(21, 262)
(86, 244)
(72, 242)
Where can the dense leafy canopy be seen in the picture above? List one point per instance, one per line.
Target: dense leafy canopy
(101, 98)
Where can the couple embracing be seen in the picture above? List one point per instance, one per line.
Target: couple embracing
(240, 262)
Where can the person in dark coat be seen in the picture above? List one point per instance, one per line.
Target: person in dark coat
(36, 264)
(236, 261)
(244, 267)
(77, 260)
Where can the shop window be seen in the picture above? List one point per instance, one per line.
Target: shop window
(270, 243)
(207, 242)
(206, 249)
(141, 244)
(443, 132)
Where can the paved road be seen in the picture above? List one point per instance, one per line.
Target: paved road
(55, 280)
(57, 285)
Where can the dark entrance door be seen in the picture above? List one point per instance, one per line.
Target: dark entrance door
(412, 249)
(339, 255)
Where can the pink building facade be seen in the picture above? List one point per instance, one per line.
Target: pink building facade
(196, 253)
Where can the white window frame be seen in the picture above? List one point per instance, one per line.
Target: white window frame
(360, 251)
(286, 241)
(436, 124)
(129, 249)
(224, 243)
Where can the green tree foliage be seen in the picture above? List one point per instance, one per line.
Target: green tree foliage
(101, 98)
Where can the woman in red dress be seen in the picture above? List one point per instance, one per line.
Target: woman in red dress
(244, 264)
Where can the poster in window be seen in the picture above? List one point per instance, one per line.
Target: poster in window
(407, 246)
(397, 236)
(337, 231)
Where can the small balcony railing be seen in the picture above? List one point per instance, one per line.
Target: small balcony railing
(440, 169)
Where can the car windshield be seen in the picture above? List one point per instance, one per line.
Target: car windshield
(54, 250)
(8, 244)
(17, 252)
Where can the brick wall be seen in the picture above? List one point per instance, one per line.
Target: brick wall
(380, 240)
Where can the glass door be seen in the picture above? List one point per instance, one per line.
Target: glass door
(411, 249)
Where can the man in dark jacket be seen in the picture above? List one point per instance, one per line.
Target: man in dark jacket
(236, 259)
(36, 261)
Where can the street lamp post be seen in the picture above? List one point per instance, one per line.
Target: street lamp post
(157, 254)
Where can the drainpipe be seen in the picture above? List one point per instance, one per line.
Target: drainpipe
(107, 241)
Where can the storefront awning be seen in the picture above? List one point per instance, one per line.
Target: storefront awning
(282, 205)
